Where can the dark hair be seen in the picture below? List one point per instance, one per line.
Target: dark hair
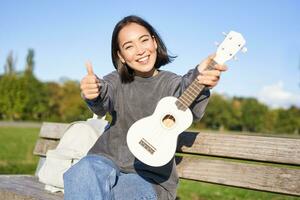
(126, 73)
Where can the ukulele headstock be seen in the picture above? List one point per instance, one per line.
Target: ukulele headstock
(233, 43)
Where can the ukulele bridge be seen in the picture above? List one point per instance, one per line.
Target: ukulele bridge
(144, 143)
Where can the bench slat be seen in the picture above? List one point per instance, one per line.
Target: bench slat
(258, 177)
(53, 130)
(43, 145)
(258, 148)
(270, 149)
(24, 188)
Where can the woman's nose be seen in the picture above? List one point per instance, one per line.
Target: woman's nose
(140, 50)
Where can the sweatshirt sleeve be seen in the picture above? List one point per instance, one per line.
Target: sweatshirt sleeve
(105, 101)
(178, 84)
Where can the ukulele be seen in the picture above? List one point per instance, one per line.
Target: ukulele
(153, 139)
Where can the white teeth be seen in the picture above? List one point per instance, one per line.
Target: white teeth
(143, 59)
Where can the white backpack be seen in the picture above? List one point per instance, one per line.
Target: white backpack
(78, 138)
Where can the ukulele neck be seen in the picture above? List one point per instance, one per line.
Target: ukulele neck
(192, 92)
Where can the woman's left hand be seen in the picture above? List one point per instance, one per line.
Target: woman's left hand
(210, 78)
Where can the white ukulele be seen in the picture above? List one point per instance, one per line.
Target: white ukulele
(153, 139)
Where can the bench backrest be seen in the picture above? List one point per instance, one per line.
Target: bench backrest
(254, 162)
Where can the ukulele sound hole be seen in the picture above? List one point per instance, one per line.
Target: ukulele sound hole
(168, 121)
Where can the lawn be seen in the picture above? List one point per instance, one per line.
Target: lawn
(16, 150)
(16, 158)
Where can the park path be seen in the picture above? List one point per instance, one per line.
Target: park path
(20, 124)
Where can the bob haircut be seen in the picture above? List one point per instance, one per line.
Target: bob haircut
(125, 72)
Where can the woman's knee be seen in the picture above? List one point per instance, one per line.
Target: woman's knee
(81, 169)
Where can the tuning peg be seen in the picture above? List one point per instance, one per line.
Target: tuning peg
(244, 49)
(216, 43)
(224, 33)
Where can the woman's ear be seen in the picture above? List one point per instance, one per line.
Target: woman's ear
(121, 57)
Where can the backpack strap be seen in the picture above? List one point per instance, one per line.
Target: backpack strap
(95, 116)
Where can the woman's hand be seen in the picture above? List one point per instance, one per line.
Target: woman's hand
(210, 78)
(90, 84)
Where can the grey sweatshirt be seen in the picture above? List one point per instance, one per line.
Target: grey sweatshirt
(130, 102)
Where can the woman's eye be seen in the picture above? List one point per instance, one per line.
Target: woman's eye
(128, 47)
(145, 40)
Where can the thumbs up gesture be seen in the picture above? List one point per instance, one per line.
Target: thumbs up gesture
(90, 84)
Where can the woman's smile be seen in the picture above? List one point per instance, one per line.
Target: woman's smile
(144, 60)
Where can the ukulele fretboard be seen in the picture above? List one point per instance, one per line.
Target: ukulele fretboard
(192, 92)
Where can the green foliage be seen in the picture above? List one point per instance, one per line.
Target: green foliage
(65, 103)
(253, 114)
(8, 88)
(72, 106)
(247, 114)
(236, 114)
(288, 120)
(270, 121)
(9, 67)
(29, 62)
(54, 96)
(22, 98)
(218, 113)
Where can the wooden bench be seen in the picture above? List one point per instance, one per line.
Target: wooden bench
(255, 162)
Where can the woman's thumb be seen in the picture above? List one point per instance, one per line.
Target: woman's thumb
(89, 68)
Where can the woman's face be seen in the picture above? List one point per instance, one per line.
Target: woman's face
(137, 49)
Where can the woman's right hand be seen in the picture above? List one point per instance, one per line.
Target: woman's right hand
(90, 84)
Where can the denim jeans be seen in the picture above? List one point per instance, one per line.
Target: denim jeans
(97, 177)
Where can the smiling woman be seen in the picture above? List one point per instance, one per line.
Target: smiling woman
(131, 93)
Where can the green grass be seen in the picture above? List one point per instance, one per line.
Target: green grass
(16, 147)
(16, 150)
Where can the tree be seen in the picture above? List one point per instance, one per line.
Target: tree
(22, 98)
(253, 115)
(8, 87)
(218, 113)
(35, 98)
(55, 94)
(9, 67)
(288, 121)
(236, 114)
(29, 62)
(270, 120)
(72, 106)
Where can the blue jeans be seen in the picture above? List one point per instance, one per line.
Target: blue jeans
(97, 177)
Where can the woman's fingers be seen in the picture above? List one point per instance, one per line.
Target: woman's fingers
(221, 68)
(211, 78)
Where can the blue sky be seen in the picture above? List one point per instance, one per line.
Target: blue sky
(64, 34)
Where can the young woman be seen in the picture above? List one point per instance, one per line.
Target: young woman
(110, 171)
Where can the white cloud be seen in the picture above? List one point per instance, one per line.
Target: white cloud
(275, 96)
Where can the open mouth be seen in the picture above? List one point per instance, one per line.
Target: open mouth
(143, 60)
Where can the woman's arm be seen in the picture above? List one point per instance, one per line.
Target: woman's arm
(209, 78)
